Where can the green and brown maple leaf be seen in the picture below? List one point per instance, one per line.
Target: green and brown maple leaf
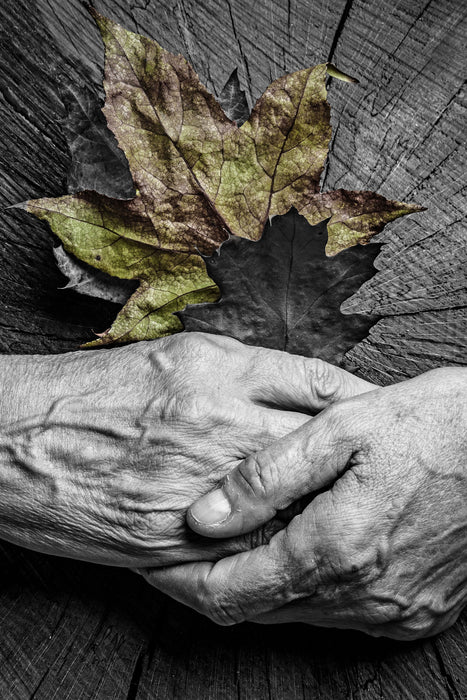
(199, 179)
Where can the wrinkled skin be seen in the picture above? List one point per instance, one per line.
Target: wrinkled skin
(382, 548)
(103, 451)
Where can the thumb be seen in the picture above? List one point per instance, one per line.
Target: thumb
(304, 461)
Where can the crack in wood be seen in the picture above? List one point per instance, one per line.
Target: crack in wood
(136, 676)
(240, 48)
(339, 30)
(447, 677)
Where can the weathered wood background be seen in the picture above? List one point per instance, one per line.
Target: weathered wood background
(71, 630)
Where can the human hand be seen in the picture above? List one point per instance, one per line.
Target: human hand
(382, 549)
(103, 451)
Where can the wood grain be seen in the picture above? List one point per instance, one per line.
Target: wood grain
(76, 631)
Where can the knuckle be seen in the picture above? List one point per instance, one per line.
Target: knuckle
(183, 341)
(196, 344)
(330, 384)
(427, 616)
(344, 562)
(162, 364)
(406, 617)
(189, 407)
(203, 342)
(215, 341)
(326, 381)
(253, 476)
(183, 347)
(418, 625)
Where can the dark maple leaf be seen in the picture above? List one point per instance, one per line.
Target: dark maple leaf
(97, 163)
(284, 292)
(233, 100)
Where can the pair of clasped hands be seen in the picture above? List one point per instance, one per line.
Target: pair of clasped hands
(247, 483)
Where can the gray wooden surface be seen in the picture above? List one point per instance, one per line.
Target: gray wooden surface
(72, 630)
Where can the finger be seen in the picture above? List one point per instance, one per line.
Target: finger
(304, 461)
(311, 612)
(237, 428)
(307, 572)
(235, 588)
(262, 426)
(299, 383)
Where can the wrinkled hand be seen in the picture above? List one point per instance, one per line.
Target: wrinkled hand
(103, 451)
(382, 548)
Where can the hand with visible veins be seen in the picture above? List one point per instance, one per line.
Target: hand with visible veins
(103, 451)
(381, 547)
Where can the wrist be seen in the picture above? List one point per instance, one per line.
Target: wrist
(30, 384)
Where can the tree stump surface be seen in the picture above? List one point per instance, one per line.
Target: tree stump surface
(72, 630)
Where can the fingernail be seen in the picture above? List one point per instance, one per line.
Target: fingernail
(211, 509)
